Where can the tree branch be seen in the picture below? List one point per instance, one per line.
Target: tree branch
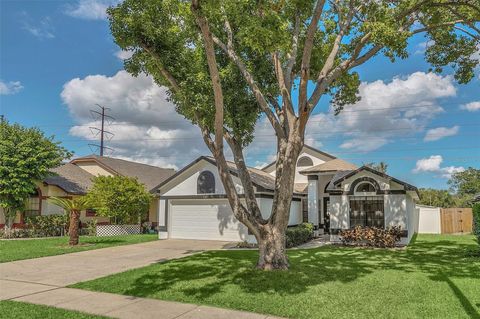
(253, 86)
(307, 54)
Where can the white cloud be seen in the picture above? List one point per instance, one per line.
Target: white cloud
(41, 29)
(90, 9)
(387, 111)
(433, 163)
(12, 87)
(146, 127)
(422, 46)
(471, 107)
(123, 55)
(440, 132)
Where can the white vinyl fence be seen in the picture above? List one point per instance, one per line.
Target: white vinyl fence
(116, 230)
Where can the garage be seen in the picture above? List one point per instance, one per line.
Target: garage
(205, 220)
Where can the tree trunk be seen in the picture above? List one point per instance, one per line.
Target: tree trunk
(271, 249)
(9, 215)
(73, 229)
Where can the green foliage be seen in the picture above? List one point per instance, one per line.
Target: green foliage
(436, 197)
(121, 198)
(91, 229)
(466, 182)
(476, 221)
(299, 234)
(47, 225)
(371, 236)
(70, 204)
(381, 166)
(26, 156)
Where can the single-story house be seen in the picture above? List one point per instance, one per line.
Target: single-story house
(330, 193)
(73, 179)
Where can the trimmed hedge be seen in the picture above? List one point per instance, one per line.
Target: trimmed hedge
(47, 225)
(476, 221)
(299, 234)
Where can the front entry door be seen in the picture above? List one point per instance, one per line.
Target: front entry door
(326, 215)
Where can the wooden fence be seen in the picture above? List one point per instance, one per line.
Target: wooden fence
(456, 220)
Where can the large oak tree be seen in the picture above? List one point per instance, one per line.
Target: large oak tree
(226, 63)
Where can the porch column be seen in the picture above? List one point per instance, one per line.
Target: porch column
(163, 219)
(313, 200)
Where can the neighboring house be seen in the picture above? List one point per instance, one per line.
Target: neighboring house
(75, 178)
(329, 192)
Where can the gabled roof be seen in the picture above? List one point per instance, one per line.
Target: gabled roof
(71, 178)
(309, 148)
(148, 175)
(259, 178)
(343, 175)
(330, 166)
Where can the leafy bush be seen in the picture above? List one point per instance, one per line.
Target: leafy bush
(91, 229)
(47, 225)
(299, 234)
(476, 221)
(371, 236)
(16, 233)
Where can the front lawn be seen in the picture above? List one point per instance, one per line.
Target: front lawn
(33, 248)
(433, 278)
(13, 309)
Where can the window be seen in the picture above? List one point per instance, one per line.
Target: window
(304, 161)
(206, 183)
(33, 204)
(365, 188)
(367, 211)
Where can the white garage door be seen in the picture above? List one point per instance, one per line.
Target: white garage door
(208, 220)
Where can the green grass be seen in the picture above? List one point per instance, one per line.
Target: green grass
(14, 309)
(33, 248)
(432, 278)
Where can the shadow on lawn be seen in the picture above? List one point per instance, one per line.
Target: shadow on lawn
(207, 274)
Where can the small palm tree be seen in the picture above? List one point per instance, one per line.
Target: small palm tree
(72, 207)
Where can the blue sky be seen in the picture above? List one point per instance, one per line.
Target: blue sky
(57, 59)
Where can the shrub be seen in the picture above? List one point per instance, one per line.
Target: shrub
(299, 234)
(91, 229)
(371, 236)
(476, 221)
(47, 225)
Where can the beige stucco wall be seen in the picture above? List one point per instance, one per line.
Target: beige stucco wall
(93, 168)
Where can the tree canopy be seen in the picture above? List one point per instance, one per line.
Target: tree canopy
(226, 63)
(26, 156)
(121, 198)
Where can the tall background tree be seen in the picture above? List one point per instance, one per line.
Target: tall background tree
(26, 156)
(123, 199)
(465, 185)
(226, 63)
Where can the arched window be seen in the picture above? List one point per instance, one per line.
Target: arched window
(304, 161)
(206, 183)
(365, 187)
(33, 204)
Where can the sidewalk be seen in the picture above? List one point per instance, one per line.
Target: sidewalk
(43, 280)
(115, 306)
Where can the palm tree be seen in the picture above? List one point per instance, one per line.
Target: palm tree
(73, 207)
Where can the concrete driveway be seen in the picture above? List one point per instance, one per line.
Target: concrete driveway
(64, 270)
(42, 281)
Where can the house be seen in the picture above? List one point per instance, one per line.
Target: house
(330, 193)
(73, 179)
